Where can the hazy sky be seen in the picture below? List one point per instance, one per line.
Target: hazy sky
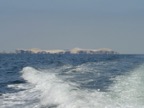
(65, 24)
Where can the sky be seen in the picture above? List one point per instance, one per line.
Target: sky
(66, 24)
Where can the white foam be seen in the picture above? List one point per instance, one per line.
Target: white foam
(129, 89)
(54, 91)
(46, 88)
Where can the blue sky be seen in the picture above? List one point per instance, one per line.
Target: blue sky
(65, 24)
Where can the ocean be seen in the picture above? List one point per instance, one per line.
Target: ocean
(71, 81)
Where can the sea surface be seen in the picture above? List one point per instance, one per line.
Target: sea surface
(71, 81)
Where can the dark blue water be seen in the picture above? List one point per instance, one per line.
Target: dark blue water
(71, 81)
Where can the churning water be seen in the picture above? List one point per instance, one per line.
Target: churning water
(71, 81)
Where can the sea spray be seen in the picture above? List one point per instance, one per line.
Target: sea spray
(126, 92)
(129, 89)
(111, 82)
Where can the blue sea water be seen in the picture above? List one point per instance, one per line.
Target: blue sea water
(71, 81)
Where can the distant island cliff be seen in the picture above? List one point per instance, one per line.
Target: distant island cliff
(71, 51)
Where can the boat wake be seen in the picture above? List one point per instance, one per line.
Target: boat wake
(47, 89)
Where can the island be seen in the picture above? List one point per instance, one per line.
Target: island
(71, 51)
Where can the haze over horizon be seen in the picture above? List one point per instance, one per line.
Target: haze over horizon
(54, 24)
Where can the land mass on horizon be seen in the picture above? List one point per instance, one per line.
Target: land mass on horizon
(71, 51)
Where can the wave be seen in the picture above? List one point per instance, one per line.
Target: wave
(46, 89)
(129, 89)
